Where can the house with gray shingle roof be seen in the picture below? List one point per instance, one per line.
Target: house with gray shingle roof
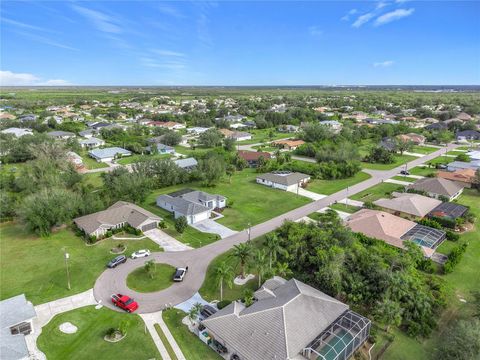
(187, 164)
(288, 320)
(194, 205)
(16, 319)
(437, 187)
(61, 135)
(108, 154)
(115, 217)
(283, 180)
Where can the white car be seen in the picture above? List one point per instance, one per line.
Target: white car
(140, 254)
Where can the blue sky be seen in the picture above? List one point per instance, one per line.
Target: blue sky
(239, 43)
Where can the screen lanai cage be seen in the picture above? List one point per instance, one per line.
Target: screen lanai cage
(341, 339)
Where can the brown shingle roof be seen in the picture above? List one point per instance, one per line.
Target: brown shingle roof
(253, 155)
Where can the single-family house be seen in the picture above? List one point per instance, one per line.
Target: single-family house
(465, 177)
(98, 125)
(91, 142)
(357, 116)
(408, 205)
(448, 210)
(172, 125)
(231, 118)
(108, 154)
(61, 135)
(87, 134)
(194, 205)
(437, 187)
(395, 230)
(18, 132)
(417, 139)
(334, 125)
(28, 118)
(16, 321)
(459, 165)
(288, 144)
(287, 320)
(283, 180)
(236, 135)
(464, 116)
(115, 217)
(388, 143)
(287, 128)
(252, 157)
(162, 148)
(468, 135)
(237, 126)
(197, 130)
(437, 126)
(474, 154)
(187, 164)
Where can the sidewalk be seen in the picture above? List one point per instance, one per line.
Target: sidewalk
(156, 318)
(45, 312)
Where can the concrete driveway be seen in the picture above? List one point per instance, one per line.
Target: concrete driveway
(212, 227)
(310, 194)
(114, 280)
(167, 242)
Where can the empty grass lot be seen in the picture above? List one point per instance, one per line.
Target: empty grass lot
(249, 202)
(262, 135)
(90, 163)
(139, 280)
(404, 178)
(422, 171)
(399, 160)
(418, 149)
(88, 343)
(136, 158)
(377, 192)
(345, 208)
(192, 347)
(328, 187)
(35, 266)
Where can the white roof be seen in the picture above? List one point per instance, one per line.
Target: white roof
(18, 132)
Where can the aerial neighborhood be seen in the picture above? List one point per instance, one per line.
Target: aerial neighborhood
(255, 224)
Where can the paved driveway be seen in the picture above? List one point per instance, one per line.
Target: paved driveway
(197, 260)
(310, 194)
(167, 242)
(212, 227)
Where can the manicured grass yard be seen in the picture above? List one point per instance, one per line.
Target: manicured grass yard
(377, 192)
(441, 160)
(399, 160)
(90, 163)
(327, 187)
(262, 135)
(454, 152)
(459, 284)
(404, 178)
(35, 266)
(249, 202)
(192, 347)
(422, 171)
(345, 208)
(88, 343)
(139, 280)
(165, 342)
(136, 158)
(418, 149)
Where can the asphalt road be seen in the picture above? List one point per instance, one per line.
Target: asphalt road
(114, 280)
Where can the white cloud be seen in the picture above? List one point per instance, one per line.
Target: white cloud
(168, 53)
(22, 25)
(9, 78)
(380, 5)
(363, 19)
(383, 64)
(101, 21)
(315, 30)
(350, 13)
(393, 16)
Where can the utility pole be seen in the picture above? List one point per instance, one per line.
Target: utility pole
(66, 257)
(346, 199)
(249, 230)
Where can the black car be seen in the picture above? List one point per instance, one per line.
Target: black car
(120, 259)
(207, 311)
(404, 172)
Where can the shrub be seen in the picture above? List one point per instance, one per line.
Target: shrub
(92, 239)
(162, 224)
(427, 266)
(430, 223)
(230, 203)
(138, 232)
(452, 236)
(222, 304)
(181, 224)
(108, 234)
(444, 221)
(454, 257)
(110, 331)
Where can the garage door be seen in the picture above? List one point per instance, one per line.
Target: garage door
(150, 226)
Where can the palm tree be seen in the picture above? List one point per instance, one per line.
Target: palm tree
(389, 312)
(282, 269)
(243, 252)
(192, 315)
(260, 263)
(288, 157)
(150, 268)
(223, 274)
(272, 243)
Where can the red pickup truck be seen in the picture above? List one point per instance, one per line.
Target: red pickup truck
(124, 302)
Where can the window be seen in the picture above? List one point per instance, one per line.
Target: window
(24, 328)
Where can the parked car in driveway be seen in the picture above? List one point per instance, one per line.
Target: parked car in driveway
(124, 302)
(120, 259)
(404, 172)
(140, 254)
(207, 311)
(180, 274)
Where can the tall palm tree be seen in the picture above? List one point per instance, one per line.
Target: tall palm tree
(283, 270)
(243, 252)
(260, 264)
(274, 248)
(192, 315)
(223, 274)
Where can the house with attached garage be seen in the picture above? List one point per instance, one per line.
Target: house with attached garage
(194, 205)
(91, 143)
(437, 187)
(108, 154)
(288, 320)
(253, 157)
(161, 148)
(283, 180)
(61, 135)
(115, 217)
(18, 132)
(187, 164)
(16, 322)
(288, 144)
(408, 205)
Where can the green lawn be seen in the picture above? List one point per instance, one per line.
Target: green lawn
(328, 187)
(165, 342)
(441, 160)
(90, 163)
(459, 284)
(88, 343)
(399, 160)
(262, 135)
(404, 178)
(95, 179)
(422, 171)
(136, 158)
(345, 208)
(266, 148)
(43, 277)
(248, 201)
(376, 192)
(418, 149)
(141, 281)
(454, 152)
(192, 347)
